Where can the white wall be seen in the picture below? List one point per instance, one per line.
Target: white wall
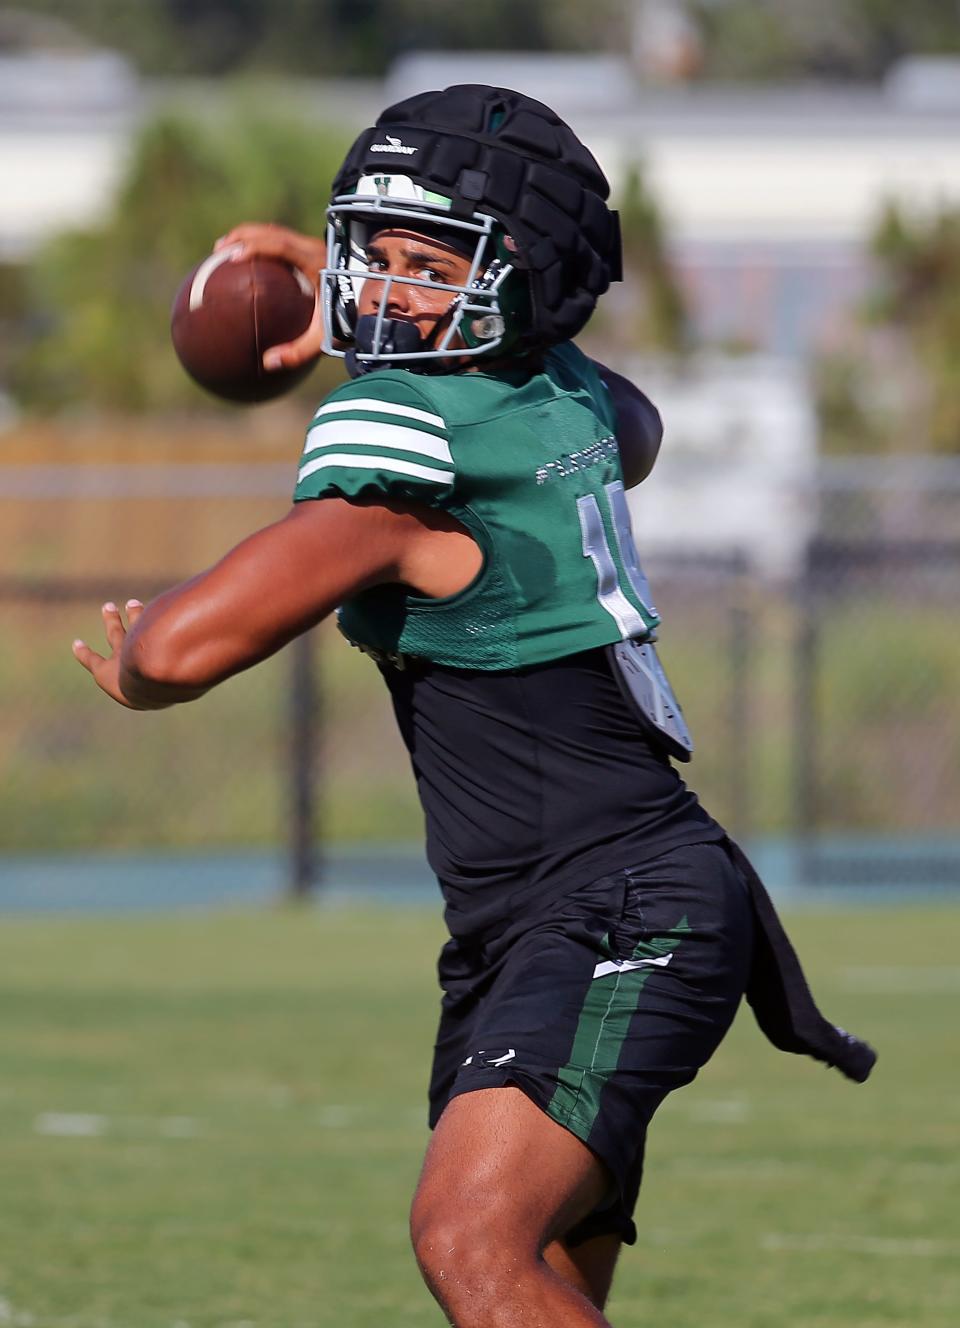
(55, 177)
(738, 462)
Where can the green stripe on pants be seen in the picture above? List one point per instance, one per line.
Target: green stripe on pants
(610, 1004)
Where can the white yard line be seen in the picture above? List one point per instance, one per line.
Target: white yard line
(77, 1124)
(10, 1317)
(91, 1125)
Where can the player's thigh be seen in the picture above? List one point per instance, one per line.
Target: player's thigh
(499, 1170)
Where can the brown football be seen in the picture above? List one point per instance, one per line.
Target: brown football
(228, 312)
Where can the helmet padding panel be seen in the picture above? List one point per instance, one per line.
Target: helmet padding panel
(498, 152)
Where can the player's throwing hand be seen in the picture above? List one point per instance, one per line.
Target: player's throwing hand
(105, 669)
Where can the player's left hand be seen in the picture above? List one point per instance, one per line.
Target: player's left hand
(105, 669)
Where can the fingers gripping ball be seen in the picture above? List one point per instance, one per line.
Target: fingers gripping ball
(228, 312)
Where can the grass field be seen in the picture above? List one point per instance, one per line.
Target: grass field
(214, 1121)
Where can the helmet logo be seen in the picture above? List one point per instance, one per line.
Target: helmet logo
(393, 145)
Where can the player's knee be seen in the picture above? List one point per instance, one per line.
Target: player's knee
(465, 1251)
(443, 1239)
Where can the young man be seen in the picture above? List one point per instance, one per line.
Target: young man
(462, 499)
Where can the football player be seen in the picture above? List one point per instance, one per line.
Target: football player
(462, 498)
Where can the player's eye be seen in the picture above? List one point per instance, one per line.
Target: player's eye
(431, 274)
(377, 264)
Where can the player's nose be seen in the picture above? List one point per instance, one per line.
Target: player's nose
(396, 295)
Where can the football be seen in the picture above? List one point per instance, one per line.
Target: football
(228, 311)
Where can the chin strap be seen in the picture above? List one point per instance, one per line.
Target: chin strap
(397, 337)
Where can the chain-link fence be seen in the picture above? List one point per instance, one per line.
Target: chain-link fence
(824, 707)
(876, 709)
(877, 722)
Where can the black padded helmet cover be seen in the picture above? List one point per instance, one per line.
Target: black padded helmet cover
(501, 153)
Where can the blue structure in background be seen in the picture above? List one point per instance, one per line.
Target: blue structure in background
(397, 875)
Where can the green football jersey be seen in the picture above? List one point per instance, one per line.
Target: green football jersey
(530, 465)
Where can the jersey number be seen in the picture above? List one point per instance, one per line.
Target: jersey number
(630, 620)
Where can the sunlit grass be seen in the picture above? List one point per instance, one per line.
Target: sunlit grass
(215, 1120)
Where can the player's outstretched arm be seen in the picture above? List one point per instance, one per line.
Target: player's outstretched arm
(270, 588)
(306, 252)
(639, 427)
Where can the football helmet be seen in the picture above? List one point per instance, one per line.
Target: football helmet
(502, 179)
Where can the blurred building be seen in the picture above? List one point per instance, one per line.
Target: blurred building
(768, 194)
(67, 113)
(738, 470)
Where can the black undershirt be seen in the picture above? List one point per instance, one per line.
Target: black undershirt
(533, 782)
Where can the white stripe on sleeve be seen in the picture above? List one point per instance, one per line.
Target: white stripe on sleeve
(351, 461)
(381, 408)
(372, 433)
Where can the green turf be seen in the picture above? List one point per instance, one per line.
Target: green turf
(254, 1084)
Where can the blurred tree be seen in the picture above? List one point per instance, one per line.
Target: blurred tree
(102, 297)
(326, 37)
(135, 29)
(858, 39)
(890, 385)
(919, 300)
(649, 308)
(506, 25)
(743, 39)
(849, 416)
